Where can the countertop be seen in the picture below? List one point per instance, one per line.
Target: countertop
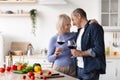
(45, 56)
(31, 56)
(11, 76)
(112, 57)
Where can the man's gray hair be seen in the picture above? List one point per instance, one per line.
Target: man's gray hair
(79, 11)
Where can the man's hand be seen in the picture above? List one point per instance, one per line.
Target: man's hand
(76, 53)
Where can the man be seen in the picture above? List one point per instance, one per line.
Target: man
(90, 51)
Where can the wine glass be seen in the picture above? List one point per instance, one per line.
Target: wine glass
(60, 39)
(72, 45)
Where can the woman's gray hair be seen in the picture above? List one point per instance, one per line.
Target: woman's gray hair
(79, 11)
(62, 21)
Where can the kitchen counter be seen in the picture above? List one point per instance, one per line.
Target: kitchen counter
(31, 56)
(11, 76)
(112, 57)
(31, 60)
(45, 56)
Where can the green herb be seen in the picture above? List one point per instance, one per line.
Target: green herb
(33, 15)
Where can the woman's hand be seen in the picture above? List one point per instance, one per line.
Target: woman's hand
(57, 51)
(93, 20)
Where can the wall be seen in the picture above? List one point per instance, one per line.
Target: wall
(19, 28)
(1, 51)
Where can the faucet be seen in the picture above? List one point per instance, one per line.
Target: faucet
(29, 50)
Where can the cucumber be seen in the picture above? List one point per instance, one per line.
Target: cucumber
(19, 72)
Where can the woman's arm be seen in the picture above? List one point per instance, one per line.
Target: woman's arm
(51, 50)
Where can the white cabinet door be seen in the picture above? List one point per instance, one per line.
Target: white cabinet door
(43, 61)
(110, 71)
(109, 12)
(110, 15)
(31, 60)
(118, 70)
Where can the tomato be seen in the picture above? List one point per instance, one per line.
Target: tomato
(8, 69)
(41, 73)
(13, 67)
(2, 70)
(32, 77)
(49, 72)
(24, 77)
(30, 74)
(44, 77)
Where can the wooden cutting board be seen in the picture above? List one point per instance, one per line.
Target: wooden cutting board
(45, 74)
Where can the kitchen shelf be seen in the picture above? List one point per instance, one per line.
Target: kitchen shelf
(52, 2)
(12, 15)
(17, 1)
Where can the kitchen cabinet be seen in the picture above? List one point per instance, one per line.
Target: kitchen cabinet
(112, 70)
(118, 70)
(110, 14)
(31, 60)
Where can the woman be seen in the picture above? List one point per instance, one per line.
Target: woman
(61, 54)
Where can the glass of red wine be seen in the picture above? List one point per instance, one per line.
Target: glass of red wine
(72, 45)
(60, 39)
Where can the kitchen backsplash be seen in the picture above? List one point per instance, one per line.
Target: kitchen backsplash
(112, 43)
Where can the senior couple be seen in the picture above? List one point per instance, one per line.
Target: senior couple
(89, 55)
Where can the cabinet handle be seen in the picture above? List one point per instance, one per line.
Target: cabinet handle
(44, 61)
(109, 61)
(116, 72)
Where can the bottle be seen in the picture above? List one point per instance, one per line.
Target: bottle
(44, 52)
(10, 59)
(107, 51)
